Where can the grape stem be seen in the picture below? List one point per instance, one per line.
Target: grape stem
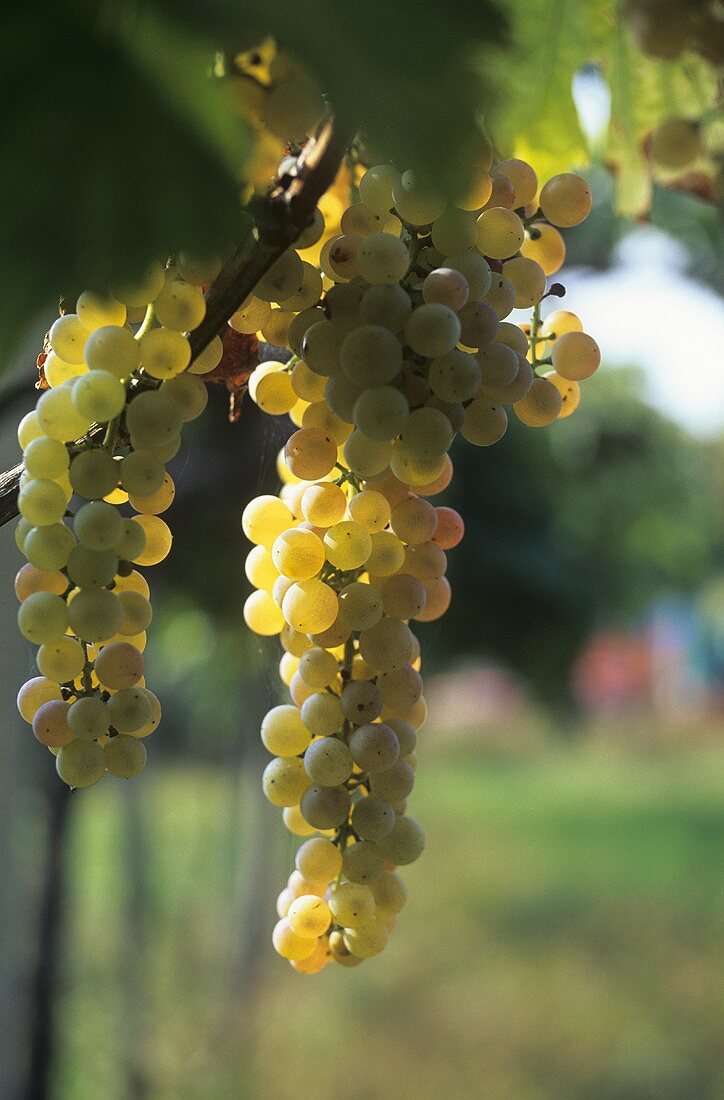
(281, 218)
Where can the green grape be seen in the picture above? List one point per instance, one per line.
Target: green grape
(342, 306)
(164, 353)
(310, 606)
(386, 645)
(62, 660)
(360, 605)
(371, 356)
(479, 324)
(119, 665)
(566, 200)
(513, 337)
(29, 429)
(42, 502)
(283, 280)
(208, 359)
(376, 187)
(319, 415)
(48, 547)
(485, 422)
(426, 561)
(322, 714)
(370, 509)
(361, 701)
(309, 916)
(323, 505)
(157, 502)
(318, 860)
(475, 269)
(432, 330)
(352, 904)
(310, 290)
(366, 457)
(125, 756)
(43, 617)
(414, 520)
(372, 819)
(427, 434)
(394, 783)
(283, 731)
(81, 763)
(385, 304)
(285, 781)
(141, 473)
(403, 596)
(498, 364)
(541, 405)
(88, 718)
(35, 693)
(501, 296)
(265, 518)
(453, 231)
(298, 554)
(46, 458)
(405, 842)
(92, 568)
(388, 555)
(338, 258)
(198, 270)
(95, 614)
(129, 709)
(50, 724)
(500, 233)
(325, 807)
(374, 747)
(301, 324)
(382, 259)
(262, 615)
(190, 393)
(29, 579)
(320, 348)
(132, 543)
(414, 202)
(137, 613)
(528, 279)
(341, 393)
(114, 350)
(98, 525)
(94, 473)
(146, 290)
(328, 762)
(389, 893)
(523, 179)
(575, 356)
(363, 862)
(359, 221)
(95, 311)
(347, 545)
(180, 306)
(67, 338)
(59, 418)
(380, 413)
(99, 395)
(310, 454)
(446, 287)
(306, 384)
(318, 668)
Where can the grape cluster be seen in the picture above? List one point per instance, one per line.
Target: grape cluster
(91, 495)
(395, 318)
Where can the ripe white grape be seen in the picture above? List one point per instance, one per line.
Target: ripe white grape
(432, 330)
(382, 259)
(380, 412)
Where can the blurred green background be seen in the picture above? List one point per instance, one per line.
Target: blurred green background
(563, 933)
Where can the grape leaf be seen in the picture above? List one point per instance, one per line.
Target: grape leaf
(103, 166)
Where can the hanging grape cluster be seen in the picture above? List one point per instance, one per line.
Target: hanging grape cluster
(394, 311)
(121, 384)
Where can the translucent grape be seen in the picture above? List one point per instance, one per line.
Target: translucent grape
(114, 350)
(81, 763)
(43, 617)
(566, 200)
(432, 330)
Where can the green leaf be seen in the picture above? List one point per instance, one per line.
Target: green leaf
(103, 166)
(536, 117)
(409, 73)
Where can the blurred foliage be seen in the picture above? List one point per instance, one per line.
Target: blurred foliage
(121, 148)
(561, 940)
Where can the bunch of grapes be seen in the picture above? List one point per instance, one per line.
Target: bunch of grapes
(396, 323)
(121, 384)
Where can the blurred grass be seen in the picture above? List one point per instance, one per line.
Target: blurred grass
(561, 940)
